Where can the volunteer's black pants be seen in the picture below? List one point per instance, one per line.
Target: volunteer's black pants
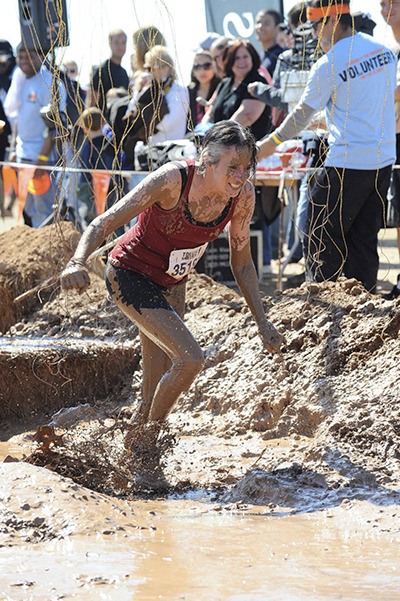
(345, 214)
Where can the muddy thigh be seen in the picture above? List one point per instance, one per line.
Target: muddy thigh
(155, 362)
(167, 345)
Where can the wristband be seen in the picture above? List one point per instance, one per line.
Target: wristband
(42, 157)
(275, 139)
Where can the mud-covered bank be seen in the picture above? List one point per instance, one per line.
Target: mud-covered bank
(59, 540)
(282, 473)
(324, 414)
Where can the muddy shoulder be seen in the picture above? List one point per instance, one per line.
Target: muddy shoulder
(312, 428)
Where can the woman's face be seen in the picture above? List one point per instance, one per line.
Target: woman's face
(232, 170)
(243, 63)
(159, 69)
(203, 68)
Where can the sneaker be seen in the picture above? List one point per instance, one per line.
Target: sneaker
(395, 291)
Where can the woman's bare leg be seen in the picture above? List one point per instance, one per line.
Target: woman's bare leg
(155, 362)
(166, 329)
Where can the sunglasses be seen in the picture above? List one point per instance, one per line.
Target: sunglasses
(205, 66)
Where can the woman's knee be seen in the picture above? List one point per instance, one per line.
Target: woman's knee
(191, 361)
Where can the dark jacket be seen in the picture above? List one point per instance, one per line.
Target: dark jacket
(228, 101)
(151, 107)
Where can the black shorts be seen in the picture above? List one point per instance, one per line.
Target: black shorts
(138, 291)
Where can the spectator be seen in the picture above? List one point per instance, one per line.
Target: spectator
(144, 39)
(172, 126)
(207, 42)
(109, 74)
(145, 110)
(117, 103)
(5, 131)
(272, 93)
(345, 210)
(204, 81)
(232, 100)
(12, 101)
(75, 94)
(390, 10)
(267, 31)
(217, 50)
(363, 22)
(97, 152)
(41, 119)
(7, 66)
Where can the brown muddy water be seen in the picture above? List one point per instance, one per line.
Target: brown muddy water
(63, 541)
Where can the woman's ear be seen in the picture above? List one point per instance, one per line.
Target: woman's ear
(203, 162)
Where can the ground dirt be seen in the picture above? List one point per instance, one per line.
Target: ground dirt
(312, 429)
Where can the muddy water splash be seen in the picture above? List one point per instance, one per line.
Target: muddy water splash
(84, 544)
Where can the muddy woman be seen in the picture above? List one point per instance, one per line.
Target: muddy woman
(180, 207)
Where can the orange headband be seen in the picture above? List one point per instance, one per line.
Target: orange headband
(317, 13)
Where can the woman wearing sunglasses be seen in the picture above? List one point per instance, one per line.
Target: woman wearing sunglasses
(204, 80)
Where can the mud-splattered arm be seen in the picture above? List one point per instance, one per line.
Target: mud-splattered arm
(161, 187)
(243, 267)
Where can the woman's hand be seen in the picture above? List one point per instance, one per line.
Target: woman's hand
(75, 276)
(271, 338)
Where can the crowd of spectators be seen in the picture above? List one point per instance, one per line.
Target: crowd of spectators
(50, 120)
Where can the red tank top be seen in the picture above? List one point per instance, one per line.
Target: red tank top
(166, 245)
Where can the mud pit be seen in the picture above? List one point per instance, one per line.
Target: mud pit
(313, 434)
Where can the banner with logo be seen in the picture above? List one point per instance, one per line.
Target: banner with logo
(236, 19)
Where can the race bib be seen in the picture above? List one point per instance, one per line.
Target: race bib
(181, 262)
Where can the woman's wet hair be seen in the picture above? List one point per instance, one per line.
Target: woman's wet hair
(228, 134)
